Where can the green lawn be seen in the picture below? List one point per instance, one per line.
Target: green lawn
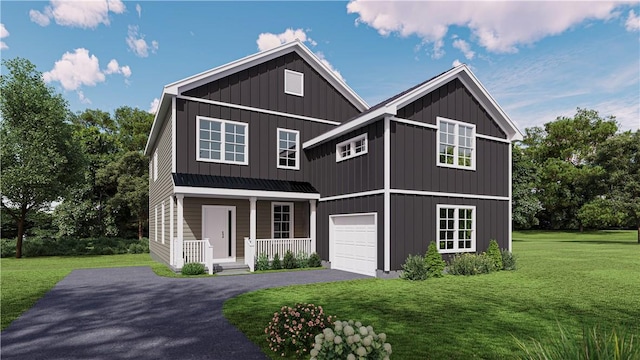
(567, 278)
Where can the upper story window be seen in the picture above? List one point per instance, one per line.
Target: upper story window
(456, 228)
(456, 144)
(353, 147)
(288, 149)
(293, 82)
(222, 141)
(155, 165)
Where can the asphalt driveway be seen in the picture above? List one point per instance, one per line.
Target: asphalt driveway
(131, 313)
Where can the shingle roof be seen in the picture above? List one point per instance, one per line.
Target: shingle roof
(230, 182)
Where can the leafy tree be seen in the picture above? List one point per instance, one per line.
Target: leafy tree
(133, 127)
(526, 204)
(40, 159)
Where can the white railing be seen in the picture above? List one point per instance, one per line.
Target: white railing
(270, 247)
(198, 251)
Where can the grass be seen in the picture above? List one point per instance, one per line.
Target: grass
(578, 280)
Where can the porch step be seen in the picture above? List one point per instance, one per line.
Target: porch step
(231, 268)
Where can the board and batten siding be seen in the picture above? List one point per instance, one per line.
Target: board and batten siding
(160, 191)
(262, 86)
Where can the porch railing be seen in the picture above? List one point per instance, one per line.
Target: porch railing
(198, 251)
(255, 247)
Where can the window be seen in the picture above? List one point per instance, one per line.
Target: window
(222, 141)
(155, 224)
(150, 169)
(162, 219)
(155, 165)
(456, 228)
(456, 144)
(293, 83)
(288, 149)
(351, 148)
(282, 220)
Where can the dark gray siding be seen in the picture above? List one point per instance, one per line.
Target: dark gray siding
(262, 142)
(452, 101)
(262, 86)
(413, 164)
(361, 173)
(366, 204)
(413, 224)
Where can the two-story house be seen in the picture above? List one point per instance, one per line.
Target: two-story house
(274, 152)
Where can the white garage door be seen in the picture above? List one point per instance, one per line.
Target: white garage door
(352, 243)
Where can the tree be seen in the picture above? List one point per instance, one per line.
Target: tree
(40, 159)
(526, 204)
(134, 126)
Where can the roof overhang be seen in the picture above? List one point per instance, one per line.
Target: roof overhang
(243, 194)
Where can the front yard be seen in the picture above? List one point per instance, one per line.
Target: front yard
(565, 278)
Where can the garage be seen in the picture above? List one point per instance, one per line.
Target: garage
(353, 243)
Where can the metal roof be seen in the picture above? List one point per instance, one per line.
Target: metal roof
(230, 182)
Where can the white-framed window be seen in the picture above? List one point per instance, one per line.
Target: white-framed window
(456, 228)
(222, 141)
(293, 83)
(351, 148)
(155, 224)
(151, 169)
(162, 220)
(456, 144)
(155, 165)
(282, 220)
(288, 149)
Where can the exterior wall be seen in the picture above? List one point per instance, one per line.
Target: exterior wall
(262, 86)
(413, 224)
(161, 190)
(262, 142)
(365, 204)
(358, 174)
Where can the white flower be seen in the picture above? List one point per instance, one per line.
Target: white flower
(356, 338)
(367, 341)
(330, 337)
(363, 331)
(387, 348)
(314, 353)
(337, 340)
(338, 326)
(327, 331)
(361, 351)
(351, 357)
(319, 338)
(358, 324)
(370, 329)
(317, 346)
(348, 330)
(382, 337)
(350, 340)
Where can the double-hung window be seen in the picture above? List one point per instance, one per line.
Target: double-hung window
(288, 149)
(456, 228)
(351, 148)
(222, 141)
(456, 144)
(282, 220)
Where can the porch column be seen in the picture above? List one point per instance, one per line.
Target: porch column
(252, 218)
(180, 238)
(312, 224)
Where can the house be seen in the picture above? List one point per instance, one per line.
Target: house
(274, 152)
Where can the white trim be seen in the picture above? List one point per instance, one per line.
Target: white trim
(265, 111)
(456, 136)
(162, 221)
(297, 166)
(242, 193)
(387, 194)
(492, 138)
(155, 165)
(252, 218)
(414, 123)
(352, 195)
(173, 134)
(456, 228)
(171, 233)
(180, 238)
(155, 224)
(332, 246)
(299, 76)
(446, 194)
(510, 236)
(233, 234)
(313, 223)
(223, 125)
(291, 224)
(352, 147)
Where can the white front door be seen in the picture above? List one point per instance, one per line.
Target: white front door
(218, 225)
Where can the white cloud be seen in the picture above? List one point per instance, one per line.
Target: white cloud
(326, 63)
(82, 98)
(465, 48)
(139, 10)
(633, 22)
(82, 14)
(114, 68)
(138, 44)
(3, 34)
(455, 63)
(153, 106)
(75, 70)
(499, 27)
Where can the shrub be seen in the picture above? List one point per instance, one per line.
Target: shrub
(508, 260)
(192, 269)
(433, 260)
(70, 246)
(314, 260)
(470, 264)
(494, 253)
(262, 262)
(593, 345)
(289, 261)
(7, 248)
(414, 268)
(275, 263)
(302, 259)
(136, 249)
(349, 340)
(292, 329)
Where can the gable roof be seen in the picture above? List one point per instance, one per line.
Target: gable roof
(390, 106)
(191, 82)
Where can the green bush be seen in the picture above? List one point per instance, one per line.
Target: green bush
(414, 268)
(494, 253)
(314, 260)
(302, 259)
(192, 269)
(136, 249)
(293, 329)
(593, 345)
(471, 264)
(349, 340)
(69, 246)
(289, 261)
(262, 262)
(275, 263)
(7, 248)
(433, 261)
(508, 260)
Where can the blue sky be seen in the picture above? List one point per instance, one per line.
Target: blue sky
(539, 60)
